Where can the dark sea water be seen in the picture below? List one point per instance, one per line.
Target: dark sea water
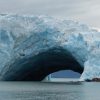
(49, 91)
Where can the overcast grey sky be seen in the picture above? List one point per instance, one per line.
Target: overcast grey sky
(86, 11)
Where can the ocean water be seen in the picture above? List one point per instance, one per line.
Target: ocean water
(49, 91)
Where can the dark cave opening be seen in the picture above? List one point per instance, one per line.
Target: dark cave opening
(38, 67)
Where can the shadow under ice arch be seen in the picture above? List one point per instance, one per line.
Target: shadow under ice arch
(38, 67)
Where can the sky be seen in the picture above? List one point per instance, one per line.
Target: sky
(85, 11)
(65, 74)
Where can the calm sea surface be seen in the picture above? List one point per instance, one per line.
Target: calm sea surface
(49, 91)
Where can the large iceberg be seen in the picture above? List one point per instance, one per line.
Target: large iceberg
(31, 47)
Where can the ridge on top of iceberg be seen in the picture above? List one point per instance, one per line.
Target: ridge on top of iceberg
(26, 42)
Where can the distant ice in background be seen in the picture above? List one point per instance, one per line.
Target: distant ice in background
(63, 76)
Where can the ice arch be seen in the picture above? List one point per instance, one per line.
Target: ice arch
(31, 47)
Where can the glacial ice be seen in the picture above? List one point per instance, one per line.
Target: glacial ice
(22, 37)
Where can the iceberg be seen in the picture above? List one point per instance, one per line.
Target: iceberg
(32, 47)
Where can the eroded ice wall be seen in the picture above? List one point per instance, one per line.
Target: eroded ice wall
(25, 37)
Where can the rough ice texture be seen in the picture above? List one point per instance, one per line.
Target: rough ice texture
(24, 36)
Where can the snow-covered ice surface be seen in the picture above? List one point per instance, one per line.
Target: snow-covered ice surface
(23, 36)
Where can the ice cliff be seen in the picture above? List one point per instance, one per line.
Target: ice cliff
(32, 47)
